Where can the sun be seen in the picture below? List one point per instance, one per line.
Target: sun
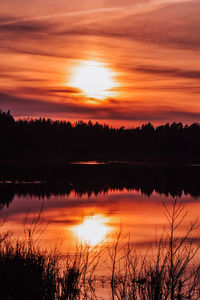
(92, 231)
(94, 79)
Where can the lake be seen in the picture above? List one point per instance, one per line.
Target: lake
(91, 216)
(93, 210)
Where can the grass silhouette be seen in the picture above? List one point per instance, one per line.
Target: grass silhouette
(27, 272)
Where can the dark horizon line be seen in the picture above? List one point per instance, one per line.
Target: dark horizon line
(92, 123)
(45, 139)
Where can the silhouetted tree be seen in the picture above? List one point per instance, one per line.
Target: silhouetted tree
(44, 139)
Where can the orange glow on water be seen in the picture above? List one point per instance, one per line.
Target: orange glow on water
(93, 230)
(142, 217)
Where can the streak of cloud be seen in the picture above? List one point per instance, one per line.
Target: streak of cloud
(189, 74)
(60, 15)
(68, 108)
(135, 7)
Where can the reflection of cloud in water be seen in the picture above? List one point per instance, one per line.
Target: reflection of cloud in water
(139, 215)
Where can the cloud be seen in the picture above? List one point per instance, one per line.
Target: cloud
(23, 27)
(170, 87)
(17, 22)
(123, 38)
(47, 91)
(69, 107)
(174, 25)
(7, 75)
(36, 50)
(165, 71)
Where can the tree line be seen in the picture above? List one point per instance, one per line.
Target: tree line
(45, 139)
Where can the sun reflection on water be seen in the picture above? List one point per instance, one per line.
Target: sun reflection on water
(92, 230)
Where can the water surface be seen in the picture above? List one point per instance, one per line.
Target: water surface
(91, 216)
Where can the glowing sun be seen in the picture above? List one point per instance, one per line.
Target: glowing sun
(94, 79)
(92, 231)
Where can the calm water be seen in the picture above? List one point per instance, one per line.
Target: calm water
(93, 211)
(89, 216)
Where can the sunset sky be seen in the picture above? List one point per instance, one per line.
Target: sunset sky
(118, 62)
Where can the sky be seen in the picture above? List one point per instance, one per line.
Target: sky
(117, 62)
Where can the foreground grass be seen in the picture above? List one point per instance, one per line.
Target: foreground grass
(170, 272)
(26, 273)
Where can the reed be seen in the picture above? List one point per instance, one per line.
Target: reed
(168, 270)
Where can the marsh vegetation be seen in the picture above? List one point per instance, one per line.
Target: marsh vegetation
(168, 270)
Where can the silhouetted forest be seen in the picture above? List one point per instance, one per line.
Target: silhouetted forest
(98, 179)
(44, 139)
